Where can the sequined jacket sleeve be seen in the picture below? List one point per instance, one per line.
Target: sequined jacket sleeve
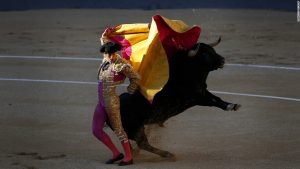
(133, 77)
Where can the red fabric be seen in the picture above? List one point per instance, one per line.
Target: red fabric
(127, 151)
(173, 41)
(126, 46)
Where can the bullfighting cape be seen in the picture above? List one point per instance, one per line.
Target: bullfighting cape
(149, 47)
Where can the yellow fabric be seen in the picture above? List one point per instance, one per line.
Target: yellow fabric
(148, 56)
(154, 68)
(136, 35)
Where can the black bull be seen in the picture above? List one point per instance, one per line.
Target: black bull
(186, 87)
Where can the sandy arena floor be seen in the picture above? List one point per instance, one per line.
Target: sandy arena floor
(47, 102)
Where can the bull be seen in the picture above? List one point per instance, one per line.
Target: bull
(185, 88)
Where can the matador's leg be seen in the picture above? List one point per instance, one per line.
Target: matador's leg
(97, 127)
(113, 112)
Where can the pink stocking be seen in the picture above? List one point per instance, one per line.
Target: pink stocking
(126, 147)
(98, 124)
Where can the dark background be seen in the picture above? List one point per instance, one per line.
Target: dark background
(288, 5)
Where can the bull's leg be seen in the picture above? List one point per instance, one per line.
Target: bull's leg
(134, 148)
(212, 100)
(142, 142)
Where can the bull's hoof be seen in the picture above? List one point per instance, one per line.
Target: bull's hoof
(167, 154)
(236, 107)
(233, 107)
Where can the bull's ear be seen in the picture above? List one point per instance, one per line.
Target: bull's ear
(192, 53)
(215, 43)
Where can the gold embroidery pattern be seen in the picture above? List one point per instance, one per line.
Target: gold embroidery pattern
(111, 99)
(134, 79)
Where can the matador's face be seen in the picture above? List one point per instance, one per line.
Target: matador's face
(110, 56)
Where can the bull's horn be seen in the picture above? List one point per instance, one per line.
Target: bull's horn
(215, 43)
(192, 53)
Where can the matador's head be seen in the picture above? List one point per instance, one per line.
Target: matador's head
(110, 48)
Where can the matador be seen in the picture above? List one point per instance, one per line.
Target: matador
(112, 72)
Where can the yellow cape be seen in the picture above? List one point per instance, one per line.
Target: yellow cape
(142, 46)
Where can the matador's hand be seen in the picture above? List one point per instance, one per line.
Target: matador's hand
(105, 35)
(108, 31)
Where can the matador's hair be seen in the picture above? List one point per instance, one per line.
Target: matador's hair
(110, 47)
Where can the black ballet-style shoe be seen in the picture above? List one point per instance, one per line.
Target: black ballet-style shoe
(111, 161)
(123, 163)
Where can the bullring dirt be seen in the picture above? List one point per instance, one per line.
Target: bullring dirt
(48, 91)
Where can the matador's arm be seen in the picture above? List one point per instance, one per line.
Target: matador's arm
(104, 40)
(134, 79)
(106, 35)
